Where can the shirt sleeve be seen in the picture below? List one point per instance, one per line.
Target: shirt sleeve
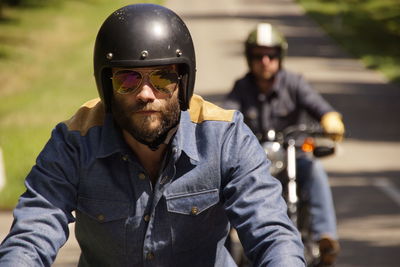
(311, 100)
(254, 204)
(43, 212)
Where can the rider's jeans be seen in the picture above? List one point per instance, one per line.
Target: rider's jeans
(315, 187)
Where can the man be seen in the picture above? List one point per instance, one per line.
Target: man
(154, 175)
(272, 98)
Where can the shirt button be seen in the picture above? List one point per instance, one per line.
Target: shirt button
(100, 217)
(124, 157)
(142, 176)
(175, 149)
(149, 256)
(146, 218)
(194, 210)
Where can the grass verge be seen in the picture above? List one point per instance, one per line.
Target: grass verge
(46, 73)
(368, 29)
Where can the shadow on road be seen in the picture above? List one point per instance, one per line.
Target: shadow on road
(303, 36)
(370, 110)
(353, 254)
(368, 226)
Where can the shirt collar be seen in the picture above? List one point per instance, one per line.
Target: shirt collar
(111, 140)
(276, 85)
(185, 137)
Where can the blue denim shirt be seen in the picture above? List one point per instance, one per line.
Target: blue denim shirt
(215, 174)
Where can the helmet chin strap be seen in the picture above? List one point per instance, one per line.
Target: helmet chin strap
(153, 145)
(162, 139)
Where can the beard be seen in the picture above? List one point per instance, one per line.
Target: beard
(264, 74)
(149, 130)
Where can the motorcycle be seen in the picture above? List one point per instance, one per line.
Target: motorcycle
(282, 149)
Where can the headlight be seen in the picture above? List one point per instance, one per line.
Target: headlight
(277, 155)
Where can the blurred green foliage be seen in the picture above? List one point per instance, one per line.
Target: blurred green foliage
(24, 2)
(46, 73)
(368, 29)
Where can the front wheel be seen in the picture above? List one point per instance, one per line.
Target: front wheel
(311, 249)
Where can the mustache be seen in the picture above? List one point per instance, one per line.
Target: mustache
(146, 106)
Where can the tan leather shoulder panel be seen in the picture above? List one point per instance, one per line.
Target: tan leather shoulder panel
(88, 115)
(201, 110)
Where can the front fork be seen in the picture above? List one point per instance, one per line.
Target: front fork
(292, 184)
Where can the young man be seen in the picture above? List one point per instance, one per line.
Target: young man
(154, 175)
(271, 97)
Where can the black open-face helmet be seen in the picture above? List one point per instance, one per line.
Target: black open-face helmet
(143, 35)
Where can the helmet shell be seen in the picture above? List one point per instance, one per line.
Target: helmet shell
(143, 35)
(265, 35)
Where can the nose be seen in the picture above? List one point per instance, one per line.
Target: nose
(266, 59)
(146, 93)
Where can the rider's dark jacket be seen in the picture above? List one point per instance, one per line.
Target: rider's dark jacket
(282, 107)
(215, 173)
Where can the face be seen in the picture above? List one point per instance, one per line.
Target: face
(145, 100)
(264, 62)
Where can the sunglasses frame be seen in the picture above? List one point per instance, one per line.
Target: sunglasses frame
(143, 75)
(260, 56)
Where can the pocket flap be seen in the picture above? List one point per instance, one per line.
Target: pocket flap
(103, 210)
(192, 203)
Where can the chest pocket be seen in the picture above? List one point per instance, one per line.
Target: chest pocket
(192, 203)
(283, 105)
(103, 211)
(195, 218)
(101, 225)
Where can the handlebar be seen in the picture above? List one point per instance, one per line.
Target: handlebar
(298, 135)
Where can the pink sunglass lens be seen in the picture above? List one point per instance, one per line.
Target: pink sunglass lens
(126, 81)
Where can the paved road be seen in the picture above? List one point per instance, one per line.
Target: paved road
(365, 175)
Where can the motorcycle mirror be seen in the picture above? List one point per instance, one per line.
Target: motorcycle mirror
(323, 151)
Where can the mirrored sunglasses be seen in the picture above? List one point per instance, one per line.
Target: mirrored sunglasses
(127, 81)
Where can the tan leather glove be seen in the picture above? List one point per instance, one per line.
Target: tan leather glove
(333, 125)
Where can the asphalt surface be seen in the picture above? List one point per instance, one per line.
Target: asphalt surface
(365, 173)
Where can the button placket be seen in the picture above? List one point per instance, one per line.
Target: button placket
(168, 174)
(175, 153)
